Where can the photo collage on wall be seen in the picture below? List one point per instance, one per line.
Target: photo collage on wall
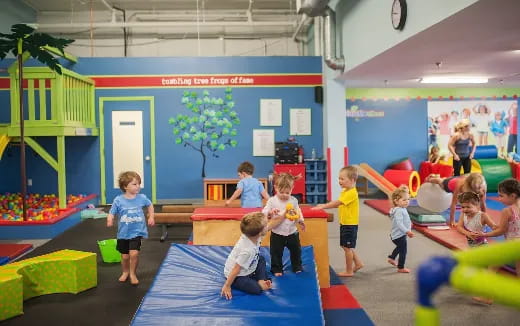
(491, 123)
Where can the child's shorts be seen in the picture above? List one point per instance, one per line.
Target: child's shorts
(125, 245)
(348, 236)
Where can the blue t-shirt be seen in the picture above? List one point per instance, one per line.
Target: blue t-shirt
(130, 216)
(252, 189)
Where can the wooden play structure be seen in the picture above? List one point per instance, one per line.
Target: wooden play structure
(55, 105)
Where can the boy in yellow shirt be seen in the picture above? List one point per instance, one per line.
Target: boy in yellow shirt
(348, 211)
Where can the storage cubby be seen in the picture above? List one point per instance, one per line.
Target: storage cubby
(217, 191)
(316, 181)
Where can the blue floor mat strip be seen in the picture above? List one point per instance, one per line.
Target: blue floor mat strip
(186, 291)
(344, 317)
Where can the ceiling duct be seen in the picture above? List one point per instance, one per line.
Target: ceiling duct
(312, 8)
(329, 41)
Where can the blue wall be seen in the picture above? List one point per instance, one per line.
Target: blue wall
(402, 132)
(178, 168)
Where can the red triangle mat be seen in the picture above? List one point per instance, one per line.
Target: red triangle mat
(13, 250)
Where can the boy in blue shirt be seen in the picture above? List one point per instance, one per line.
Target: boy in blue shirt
(128, 207)
(250, 190)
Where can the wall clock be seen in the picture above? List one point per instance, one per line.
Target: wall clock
(398, 14)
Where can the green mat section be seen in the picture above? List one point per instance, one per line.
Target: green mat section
(494, 170)
(421, 215)
(428, 218)
(67, 271)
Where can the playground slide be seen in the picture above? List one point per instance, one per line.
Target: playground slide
(4, 140)
(377, 179)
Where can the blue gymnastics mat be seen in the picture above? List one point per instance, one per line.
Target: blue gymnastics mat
(186, 291)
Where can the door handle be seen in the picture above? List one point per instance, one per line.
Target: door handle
(147, 157)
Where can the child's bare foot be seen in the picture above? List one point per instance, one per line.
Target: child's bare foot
(358, 267)
(392, 262)
(403, 270)
(134, 280)
(278, 274)
(483, 300)
(265, 285)
(123, 277)
(345, 274)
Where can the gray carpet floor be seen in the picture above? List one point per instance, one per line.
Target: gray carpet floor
(388, 297)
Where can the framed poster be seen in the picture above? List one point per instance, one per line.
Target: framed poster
(270, 112)
(263, 142)
(300, 122)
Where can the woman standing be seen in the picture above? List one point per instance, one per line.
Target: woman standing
(462, 146)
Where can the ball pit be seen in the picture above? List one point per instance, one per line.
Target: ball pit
(39, 207)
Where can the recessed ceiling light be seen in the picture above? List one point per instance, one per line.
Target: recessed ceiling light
(454, 80)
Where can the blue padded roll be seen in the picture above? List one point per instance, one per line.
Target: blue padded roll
(186, 291)
(486, 151)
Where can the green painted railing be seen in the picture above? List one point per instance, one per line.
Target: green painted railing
(53, 100)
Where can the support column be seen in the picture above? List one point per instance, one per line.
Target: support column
(334, 124)
(62, 179)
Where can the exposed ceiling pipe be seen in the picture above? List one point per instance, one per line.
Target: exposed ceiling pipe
(249, 12)
(303, 21)
(68, 26)
(329, 42)
(111, 8)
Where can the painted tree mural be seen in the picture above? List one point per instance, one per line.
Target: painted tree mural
(209, 126)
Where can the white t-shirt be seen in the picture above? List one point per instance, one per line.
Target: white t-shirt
(245, 253)
(287, 227)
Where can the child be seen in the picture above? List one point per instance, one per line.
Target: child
(348, 204)
(481, 118)
(434, 156)
(245, 269)
(131, 226)
(401, 227)
(250, 190)
(472, 221)
(462, 146)
(512, 122)
(286, 233)
(509, 194)
(473, 182)
(471, 224)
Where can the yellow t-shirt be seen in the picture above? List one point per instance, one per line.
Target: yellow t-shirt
(349, 208)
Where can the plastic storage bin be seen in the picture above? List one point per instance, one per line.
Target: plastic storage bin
(108, 251)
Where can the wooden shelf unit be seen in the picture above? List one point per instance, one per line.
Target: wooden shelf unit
(228, 188)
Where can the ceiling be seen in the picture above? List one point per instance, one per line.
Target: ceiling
(481, 40)
(169, 18)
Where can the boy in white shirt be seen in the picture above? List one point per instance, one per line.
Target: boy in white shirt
(245, 268)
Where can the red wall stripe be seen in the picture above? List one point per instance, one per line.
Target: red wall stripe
(185, 81)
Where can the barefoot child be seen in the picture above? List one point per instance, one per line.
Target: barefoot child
(509, 226)
(131, 226)
(348, 210)
(245, 268)
(401, 227)
(285, 234)
(472, 221)
(473, 182)
(471, 224)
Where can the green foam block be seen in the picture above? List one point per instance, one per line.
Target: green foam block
(64, 271)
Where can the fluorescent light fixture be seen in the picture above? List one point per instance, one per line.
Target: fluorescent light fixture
(454, 80)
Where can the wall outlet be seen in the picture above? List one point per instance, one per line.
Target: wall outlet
(29, 182)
